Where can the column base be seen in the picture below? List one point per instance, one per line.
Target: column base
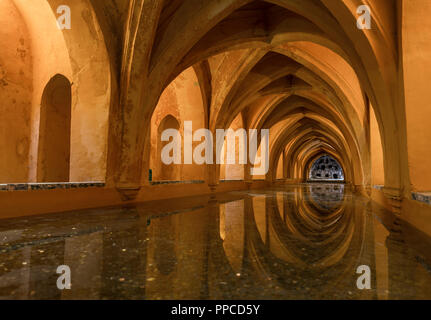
(128, 194)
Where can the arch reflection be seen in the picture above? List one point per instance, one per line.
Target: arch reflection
(291, 242)
(314, 243)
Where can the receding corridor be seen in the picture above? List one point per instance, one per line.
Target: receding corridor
(215, 149)
(296, 242)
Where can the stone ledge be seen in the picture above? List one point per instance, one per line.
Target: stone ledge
(231, 180)
(49, 186)
(422, 197)
(326, 181)
(156, 183)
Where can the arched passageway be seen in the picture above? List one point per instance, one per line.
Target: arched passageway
(302, 70)
(138, 102)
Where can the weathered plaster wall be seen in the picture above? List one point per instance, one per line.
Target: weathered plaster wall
(182, 100)
(16, 87)
(91, 89)
(46, 38)
(80, 55)
(191, 108)
(416, 51)
(167, 107)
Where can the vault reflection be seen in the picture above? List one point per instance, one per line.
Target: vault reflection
(296, 242)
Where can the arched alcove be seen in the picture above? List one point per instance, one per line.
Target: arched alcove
(81, 55)
(53, 163)
(326, 168)
(180, 104)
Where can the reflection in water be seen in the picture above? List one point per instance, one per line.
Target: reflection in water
(164, 251)
(326, 196)
(292, 242)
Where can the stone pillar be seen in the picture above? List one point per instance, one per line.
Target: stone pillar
(395, 199)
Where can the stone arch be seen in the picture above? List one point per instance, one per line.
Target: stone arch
(363, 51)
(183, 100)
(296, 138)
(90, 75)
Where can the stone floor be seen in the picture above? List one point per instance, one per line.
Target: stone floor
(293, 242)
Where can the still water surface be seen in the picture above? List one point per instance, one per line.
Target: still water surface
(291, 242)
